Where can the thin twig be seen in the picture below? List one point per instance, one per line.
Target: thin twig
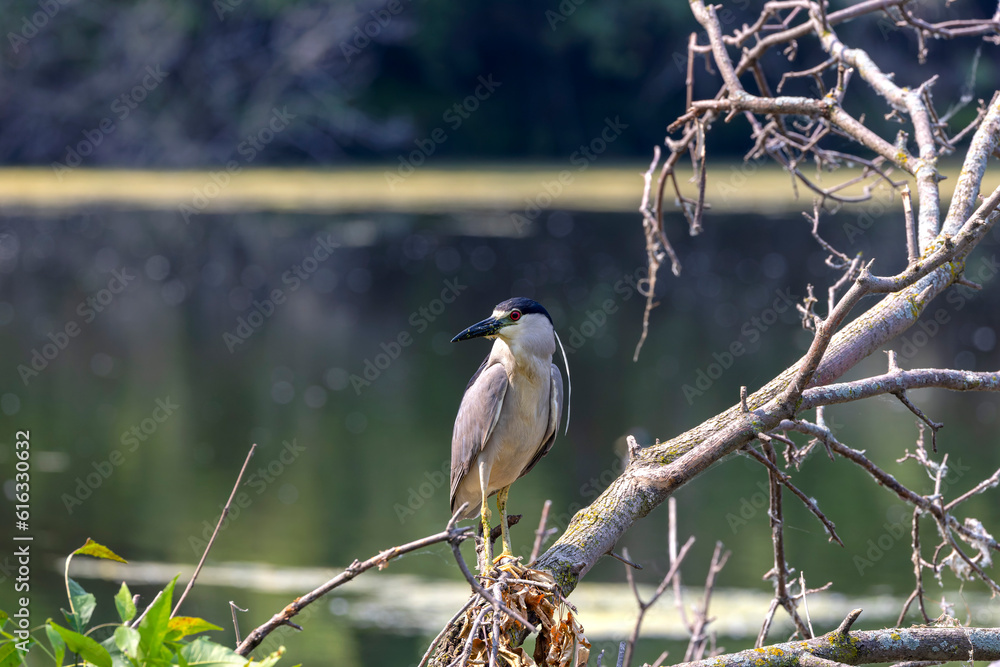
(236, 624)
(912, 244)
(625, 559)
(918, 591)
(807, 501)
(218, 526)
(990, 483)
(644, 606)
(780, 569)
(461, 660)
(933, 425)
(477, 587)
(145, 611)
(451, 534)
(696, 645)
(805, 602)
(541, 533)
(495, 645)
(672, 554)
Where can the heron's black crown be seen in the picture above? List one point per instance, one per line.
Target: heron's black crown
(525, 305)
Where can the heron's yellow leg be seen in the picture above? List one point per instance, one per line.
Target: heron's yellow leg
(504, 531)
(484, 479)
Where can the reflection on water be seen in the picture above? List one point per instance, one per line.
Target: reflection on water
(325, 340)
(412, 605)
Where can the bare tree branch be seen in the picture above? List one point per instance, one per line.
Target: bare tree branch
(898, 381)
(450, 534)
(645, 605)
(873, 646)
(215, 533)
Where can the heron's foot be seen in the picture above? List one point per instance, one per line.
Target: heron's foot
(506, 553)
(509, 563)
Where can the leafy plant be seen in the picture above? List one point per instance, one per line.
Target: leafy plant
(152, 639)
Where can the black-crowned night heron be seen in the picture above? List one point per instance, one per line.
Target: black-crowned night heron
(510, 411)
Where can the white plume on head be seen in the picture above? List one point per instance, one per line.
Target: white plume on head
(569, 382)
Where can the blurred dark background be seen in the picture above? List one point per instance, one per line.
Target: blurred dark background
(367, 79)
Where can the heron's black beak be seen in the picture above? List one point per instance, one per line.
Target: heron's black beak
(488, 327)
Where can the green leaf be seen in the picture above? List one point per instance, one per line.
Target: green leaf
(8, 655)
(182, 626)
(124, 605)
(58, 645)
(205, 653)
(155, 624)
(271, 659)
(70, 619)
(92, 548)
(118, 658)
(127, 639)
(3, 618)
(86, 647)
(83, 604)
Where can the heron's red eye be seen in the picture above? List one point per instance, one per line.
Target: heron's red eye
(515, 315)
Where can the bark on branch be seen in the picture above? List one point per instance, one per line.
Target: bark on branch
(872, 646)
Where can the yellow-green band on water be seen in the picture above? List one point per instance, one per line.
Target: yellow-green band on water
(508, 187)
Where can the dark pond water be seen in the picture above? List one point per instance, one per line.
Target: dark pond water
(146, 355)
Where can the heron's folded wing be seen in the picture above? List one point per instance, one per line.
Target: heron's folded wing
(555, 417)
(477, 417)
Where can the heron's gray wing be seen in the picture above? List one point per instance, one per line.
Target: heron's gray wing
(477, 416)
(555, 417)
(475, 376)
